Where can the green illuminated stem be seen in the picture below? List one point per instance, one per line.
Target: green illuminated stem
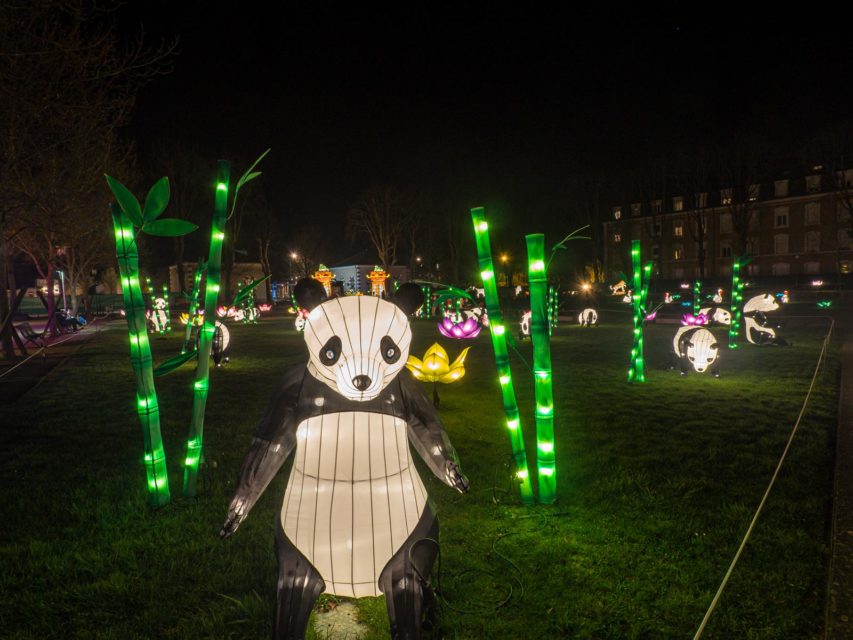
(641, 276)
(193, 310)
(538, 278)
(498, 331)
(147, 407)
(553, 308)
(211, 297)
(167, 310)
(735, 308)
(697, 297)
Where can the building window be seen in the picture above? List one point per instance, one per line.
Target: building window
(636, 209)
(678, 272)
(780, 243)
(780, 188)
(677, 252)
(655, 252)
(844, 266)
(702, 200)
(617, 237)
(678, 229)
(726, 223)
(812, 213)
(617, 213)
(754, 190)
(812, 241)
(726, 251)
(753, 247)
(811, 267)
(813, 184)
(678, 203)
(843, 238)
(657, 206)
(844, 179)
(780, 217)
(752, 269)
(781, 269)
(657, 229)
(726, 196)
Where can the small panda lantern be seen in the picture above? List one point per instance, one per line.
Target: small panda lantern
(697, 347)
(717, 315)
(758, 329)
(355, 507)
(157, 316)
(588, 318)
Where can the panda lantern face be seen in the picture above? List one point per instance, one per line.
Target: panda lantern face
(702, 350)
(357, 345)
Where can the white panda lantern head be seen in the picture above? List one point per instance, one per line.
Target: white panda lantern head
(702, 349)
(764, 303)
(357, 344)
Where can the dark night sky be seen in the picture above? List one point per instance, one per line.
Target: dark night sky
(487, 104)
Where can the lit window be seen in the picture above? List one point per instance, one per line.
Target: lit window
(844, 266)
(780, 243)
(780, 217)
(813, 184)
(677, 252)
(617, 237)
(678, 204)
(726, 196)
(617, 213)
(780, 188)
(754, 190)
(678, 229)
(812, 241)
(657, 206)
(812, 213)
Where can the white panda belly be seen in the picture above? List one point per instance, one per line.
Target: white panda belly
(353, 497)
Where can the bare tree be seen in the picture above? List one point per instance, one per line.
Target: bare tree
(380, 214)
(264, 227)
(692, 181)
(740, 164)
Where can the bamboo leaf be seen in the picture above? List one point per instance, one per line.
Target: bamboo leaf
(170, 227)
(244, 292)
(250, 174)
(126, 200)
(156, 200)
(247, 177)
(173, 363)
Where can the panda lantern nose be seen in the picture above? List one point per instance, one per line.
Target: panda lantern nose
(361, 382)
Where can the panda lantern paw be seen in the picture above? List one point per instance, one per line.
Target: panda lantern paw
(455, 477)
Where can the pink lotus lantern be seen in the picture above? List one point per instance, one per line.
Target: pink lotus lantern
(221, 311)
(264, 307)
(468, 328)
(690, 320)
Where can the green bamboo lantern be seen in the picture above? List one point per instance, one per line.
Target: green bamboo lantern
(697, 297)
(207, 330)
(736, 308)
(167, 310)
(193, 310)
(641, 276)
(553, 308)
(498, 332)
(129, 220)
(539, 323)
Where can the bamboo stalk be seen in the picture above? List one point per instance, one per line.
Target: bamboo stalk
(539, 333)
(697, 297)
(736, 308)
(193, 310)
(167, 310)
(211, 297)
(641, 276)
(140, 356)
(498, 332)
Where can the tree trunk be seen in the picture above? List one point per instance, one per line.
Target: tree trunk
(179, 263)
(8, 348)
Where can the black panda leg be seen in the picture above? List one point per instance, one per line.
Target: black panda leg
(299, 585)
(401, 579)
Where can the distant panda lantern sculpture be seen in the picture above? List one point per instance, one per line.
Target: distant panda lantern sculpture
(758, 329)
(588, 318)
(355, 507)
(717, 315)
(698, 348)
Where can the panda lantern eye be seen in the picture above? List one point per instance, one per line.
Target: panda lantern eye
(389, 350)
(331, 351)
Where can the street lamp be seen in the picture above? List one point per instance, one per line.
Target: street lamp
(504, 258)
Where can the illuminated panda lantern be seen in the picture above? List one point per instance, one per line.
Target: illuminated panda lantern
(698, 348)
(157, 316)
(588, 318)
(524, 325)
(220, 344)
(717, 315)
(355, 508)
(758, 329)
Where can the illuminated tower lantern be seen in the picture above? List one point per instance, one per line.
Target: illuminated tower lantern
(498, 331)
(324, 277)
(377, 279)
(539, 331)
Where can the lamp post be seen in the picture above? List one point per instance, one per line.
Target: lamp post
(504, 258)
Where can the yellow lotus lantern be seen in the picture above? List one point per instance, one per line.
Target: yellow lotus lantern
(436, 367)
(324, 277)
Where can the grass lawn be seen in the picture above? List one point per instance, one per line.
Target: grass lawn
(656, 484)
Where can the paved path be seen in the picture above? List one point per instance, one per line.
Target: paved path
(839, 605)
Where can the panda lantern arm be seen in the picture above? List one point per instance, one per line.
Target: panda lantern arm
(428, 437)
(274, 441)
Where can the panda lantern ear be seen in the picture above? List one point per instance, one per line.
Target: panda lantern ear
(309, 293)
(408, 297)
